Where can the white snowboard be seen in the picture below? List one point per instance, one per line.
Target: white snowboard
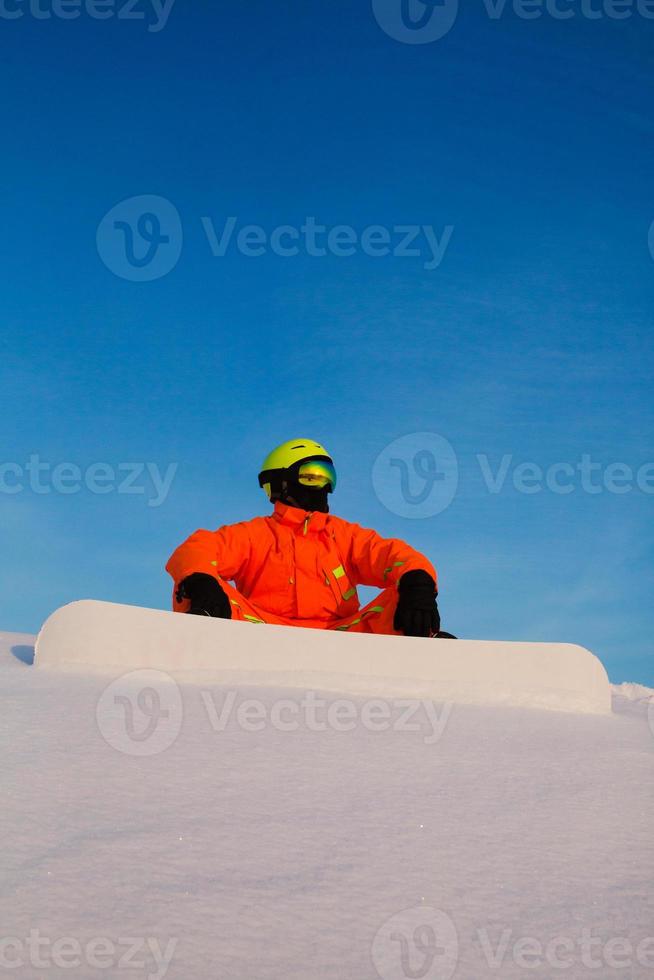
(106, 636)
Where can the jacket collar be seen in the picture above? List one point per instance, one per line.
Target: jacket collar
(295, 516)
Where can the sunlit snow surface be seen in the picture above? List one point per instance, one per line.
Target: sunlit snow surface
(511, 843)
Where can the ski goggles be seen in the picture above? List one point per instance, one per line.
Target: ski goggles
(317, 473)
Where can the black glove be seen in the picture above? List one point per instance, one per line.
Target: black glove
(206, 596)
(417, 613)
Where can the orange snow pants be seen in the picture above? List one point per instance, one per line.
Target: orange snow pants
(376, 617)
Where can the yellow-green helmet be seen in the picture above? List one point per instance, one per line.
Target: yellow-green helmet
(284, 462)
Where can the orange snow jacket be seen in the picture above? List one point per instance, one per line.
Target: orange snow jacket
(297, 564)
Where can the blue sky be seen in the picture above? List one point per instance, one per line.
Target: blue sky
(529, 342)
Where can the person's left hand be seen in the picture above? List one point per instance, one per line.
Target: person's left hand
(417, 611)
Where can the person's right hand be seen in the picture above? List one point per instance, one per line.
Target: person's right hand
(206, 596)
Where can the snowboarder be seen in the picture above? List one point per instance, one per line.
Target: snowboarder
(301, 566)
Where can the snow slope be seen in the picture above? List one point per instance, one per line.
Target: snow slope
(145, 834)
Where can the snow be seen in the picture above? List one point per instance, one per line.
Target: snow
(158, 829)
(634, 692)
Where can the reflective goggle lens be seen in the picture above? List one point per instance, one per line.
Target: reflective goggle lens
(317, 473)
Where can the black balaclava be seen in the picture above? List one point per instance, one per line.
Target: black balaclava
(306, 498)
